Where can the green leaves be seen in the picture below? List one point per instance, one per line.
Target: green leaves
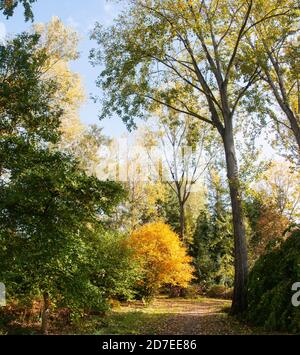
(8, 7)
(26, 100)
(269, 287)
(52, 214)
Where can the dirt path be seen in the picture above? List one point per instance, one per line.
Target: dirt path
(195, 317)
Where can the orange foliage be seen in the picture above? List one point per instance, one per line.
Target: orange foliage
(270, 226)
(164, 257)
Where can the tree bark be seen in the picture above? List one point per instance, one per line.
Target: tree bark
(239, 302)
(294, 124)
(182, 221)
(45, 313)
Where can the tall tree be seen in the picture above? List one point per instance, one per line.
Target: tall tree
(27, 102)
(183, 55)
(60, 44)
(274, 47)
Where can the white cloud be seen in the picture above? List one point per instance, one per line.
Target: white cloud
(2, 33)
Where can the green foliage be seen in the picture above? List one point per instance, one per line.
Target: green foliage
(8, 7)
(269, 287)
(48, 213)
(114, 270)
(212, 250)
(26, 102)
(52, 214)
(212, 246)
(169, 210)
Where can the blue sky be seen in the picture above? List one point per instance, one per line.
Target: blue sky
(81, 15)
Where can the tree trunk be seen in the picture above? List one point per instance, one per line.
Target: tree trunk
(182, 221)
(294, 124)
(239, 302)
(45, 313)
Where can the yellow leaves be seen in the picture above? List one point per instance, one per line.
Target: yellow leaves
(295, 104)
(60, 43)
(279, 186)
(164, 257)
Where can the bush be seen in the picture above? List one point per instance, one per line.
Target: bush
(269, 287)
(163, 257)
(114, 270)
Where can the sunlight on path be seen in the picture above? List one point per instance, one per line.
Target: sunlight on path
(180, 316)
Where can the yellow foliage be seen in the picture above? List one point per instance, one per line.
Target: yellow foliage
(164, 257)
(61, 45)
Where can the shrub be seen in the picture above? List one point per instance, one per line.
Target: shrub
(163, 257)
(269, 287)
(114, 270)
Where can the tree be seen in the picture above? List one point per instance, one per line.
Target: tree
(266, 225)
(162, 256)
(130, 165)
(184, 55)
(86, 146)
(274, 47)
(272, 205)
(60, 44)
(279, 186)
(50, 209)
(181, 142)
(8, 7)
(27, 102)
(114, 269)
(212, 242)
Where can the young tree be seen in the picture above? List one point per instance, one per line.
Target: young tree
(181, 143)
(49, 212)
(184, 55)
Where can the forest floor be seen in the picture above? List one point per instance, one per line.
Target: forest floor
(164, 316)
